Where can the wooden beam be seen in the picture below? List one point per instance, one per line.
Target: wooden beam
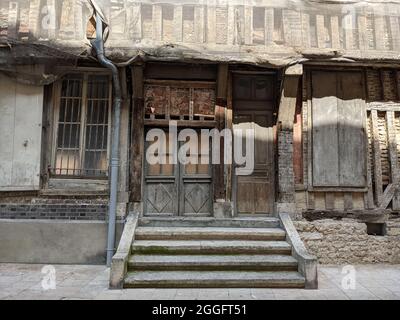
(137, 138)
(220, 112)
(377, 158)
(287, 106)
(157, 22)
(321, 32)
(335, 32)
(248, 25)
(369, 195)
(269, 26)
(390, 190)
(229, 125)
(13, 10)
(394, 169)
(34, 17)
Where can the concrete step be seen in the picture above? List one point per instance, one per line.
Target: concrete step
(210, 247)
(213, 279)
(208, 233)
(256, 222)
(212, 262)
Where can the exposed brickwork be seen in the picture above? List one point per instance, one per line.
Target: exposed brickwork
(59, 211)
(285, 165)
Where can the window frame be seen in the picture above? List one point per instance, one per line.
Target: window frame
(310, 144)
(85, 72)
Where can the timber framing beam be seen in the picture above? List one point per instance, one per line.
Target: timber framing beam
(137, 138)
(220, 118)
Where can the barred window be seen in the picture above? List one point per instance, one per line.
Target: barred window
(82, 128)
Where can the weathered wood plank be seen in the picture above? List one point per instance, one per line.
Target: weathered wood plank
(324, 130)
(351, 130)
(394, 170)
(377, 158)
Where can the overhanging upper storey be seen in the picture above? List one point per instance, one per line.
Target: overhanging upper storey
(265, 32)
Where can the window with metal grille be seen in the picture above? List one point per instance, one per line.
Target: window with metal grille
(82, 126)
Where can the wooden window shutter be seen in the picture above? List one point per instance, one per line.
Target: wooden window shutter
(338, 130)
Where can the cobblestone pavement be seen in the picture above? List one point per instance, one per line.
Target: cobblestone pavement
(23, 281)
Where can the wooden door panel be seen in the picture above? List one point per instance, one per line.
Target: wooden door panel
(196, 197)
(253, 109)
(161, 197)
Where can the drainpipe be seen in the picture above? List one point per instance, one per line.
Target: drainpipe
(98, 45)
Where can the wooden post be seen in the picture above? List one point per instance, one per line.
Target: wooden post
(377, 158)
(321, 33)
(220, 111)
(137, 138)
(178, 23)
(394, 170)
(229, 125)
(157, 22)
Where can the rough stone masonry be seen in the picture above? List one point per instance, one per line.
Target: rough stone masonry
(346, 241)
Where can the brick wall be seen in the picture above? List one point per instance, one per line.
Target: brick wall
(53, 211)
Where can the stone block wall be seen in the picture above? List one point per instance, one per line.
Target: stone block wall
(54, 211)
(347, 242)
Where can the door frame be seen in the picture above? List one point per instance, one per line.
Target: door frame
(233, 176)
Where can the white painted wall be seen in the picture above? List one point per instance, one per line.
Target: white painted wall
(21, 108)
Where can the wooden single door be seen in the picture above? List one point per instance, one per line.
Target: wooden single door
(178, 189)
(254, 109)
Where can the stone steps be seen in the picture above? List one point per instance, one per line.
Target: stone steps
(214, 279)
(211, 253)
(210, 247)
(264, 222)
(208, 233)
(212, 262)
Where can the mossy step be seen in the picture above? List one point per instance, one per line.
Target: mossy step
(210, 247)
(208, 233)
(212, 262)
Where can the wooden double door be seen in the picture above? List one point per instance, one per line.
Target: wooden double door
(254, 108)
(172, 189)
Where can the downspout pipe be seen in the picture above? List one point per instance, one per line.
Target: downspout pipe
(98, 45)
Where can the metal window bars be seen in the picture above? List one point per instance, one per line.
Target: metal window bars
(82, 139)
